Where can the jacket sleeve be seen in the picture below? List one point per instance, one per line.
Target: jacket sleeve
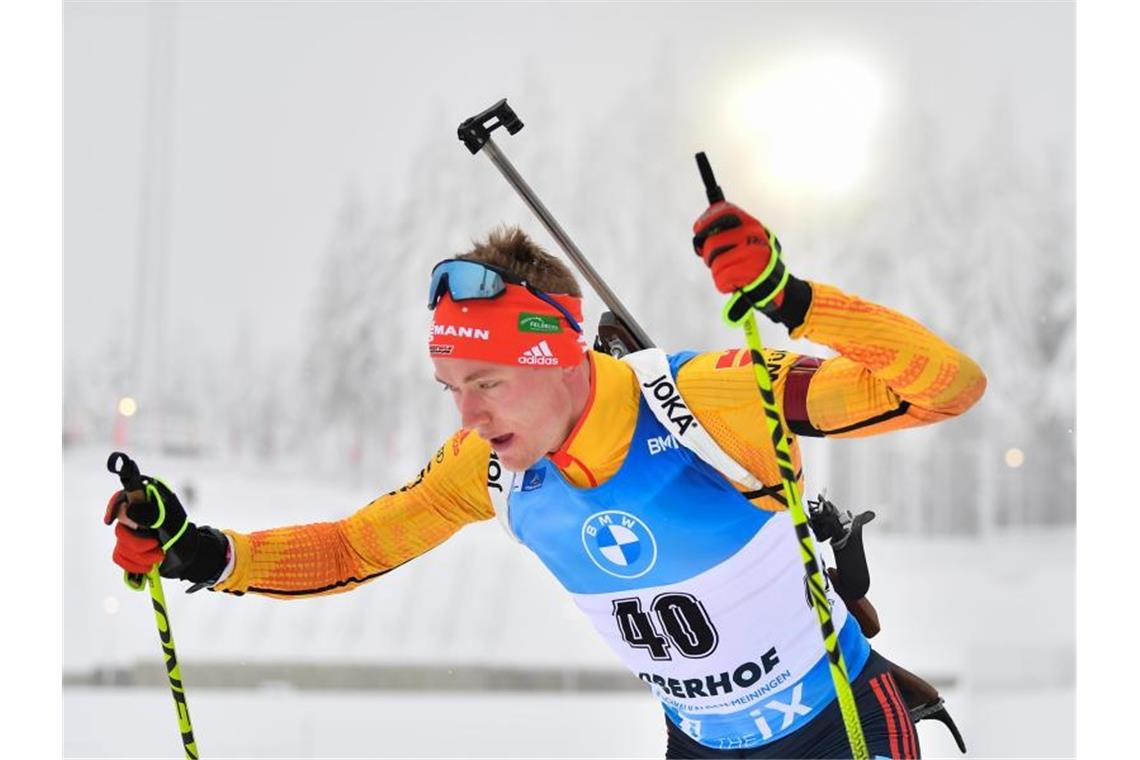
(331, 557)
(891, 371)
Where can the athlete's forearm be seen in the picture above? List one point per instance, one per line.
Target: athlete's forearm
(331, 557)
(892, 361)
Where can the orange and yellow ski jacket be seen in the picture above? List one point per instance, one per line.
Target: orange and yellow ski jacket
(890, 373)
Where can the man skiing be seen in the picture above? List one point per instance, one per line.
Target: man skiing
(647, 486)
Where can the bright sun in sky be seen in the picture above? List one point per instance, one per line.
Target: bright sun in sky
(812, 120)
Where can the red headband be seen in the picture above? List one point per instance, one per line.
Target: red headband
(515, 328)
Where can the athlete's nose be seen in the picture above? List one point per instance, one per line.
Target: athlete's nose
(473, 414)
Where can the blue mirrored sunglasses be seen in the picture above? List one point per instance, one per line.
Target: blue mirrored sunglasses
(468, 280)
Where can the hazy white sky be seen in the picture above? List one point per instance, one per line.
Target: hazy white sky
(276, 107)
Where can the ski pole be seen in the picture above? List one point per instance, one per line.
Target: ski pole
(476, 135)
(123, 466)
(791, 491)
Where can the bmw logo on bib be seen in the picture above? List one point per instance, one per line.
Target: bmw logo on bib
(619, 543)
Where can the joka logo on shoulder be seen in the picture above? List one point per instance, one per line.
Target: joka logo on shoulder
(619, 543)
(538, 323)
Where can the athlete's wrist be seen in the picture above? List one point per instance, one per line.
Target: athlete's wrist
(794, 307)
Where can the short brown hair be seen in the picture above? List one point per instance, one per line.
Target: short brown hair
(511, 250)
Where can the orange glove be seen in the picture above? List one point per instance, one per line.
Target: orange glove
(744, 257)
(137, 550)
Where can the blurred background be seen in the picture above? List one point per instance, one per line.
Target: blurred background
(255, 194)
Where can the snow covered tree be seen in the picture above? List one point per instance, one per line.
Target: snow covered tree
(980, 249)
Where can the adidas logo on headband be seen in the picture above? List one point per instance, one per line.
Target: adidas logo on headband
(540, 353)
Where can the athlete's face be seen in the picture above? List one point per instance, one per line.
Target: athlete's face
(523, 412)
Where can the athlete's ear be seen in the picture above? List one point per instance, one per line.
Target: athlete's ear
(574, 377)
(568, 372)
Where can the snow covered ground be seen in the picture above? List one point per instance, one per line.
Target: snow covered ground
(136, 723)
(991, 620)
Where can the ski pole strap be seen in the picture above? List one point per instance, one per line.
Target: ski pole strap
(174, 539)
(836, 665)
(761, 292)
(152, 493)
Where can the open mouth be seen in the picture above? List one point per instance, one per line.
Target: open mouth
(502, 441)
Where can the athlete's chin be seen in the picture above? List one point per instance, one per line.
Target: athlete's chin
(514, 458)
(516, 453)
(518, 463)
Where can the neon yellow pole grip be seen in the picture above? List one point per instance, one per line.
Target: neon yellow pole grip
(812, 571)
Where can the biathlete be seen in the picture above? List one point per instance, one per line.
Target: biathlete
(647, 485)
